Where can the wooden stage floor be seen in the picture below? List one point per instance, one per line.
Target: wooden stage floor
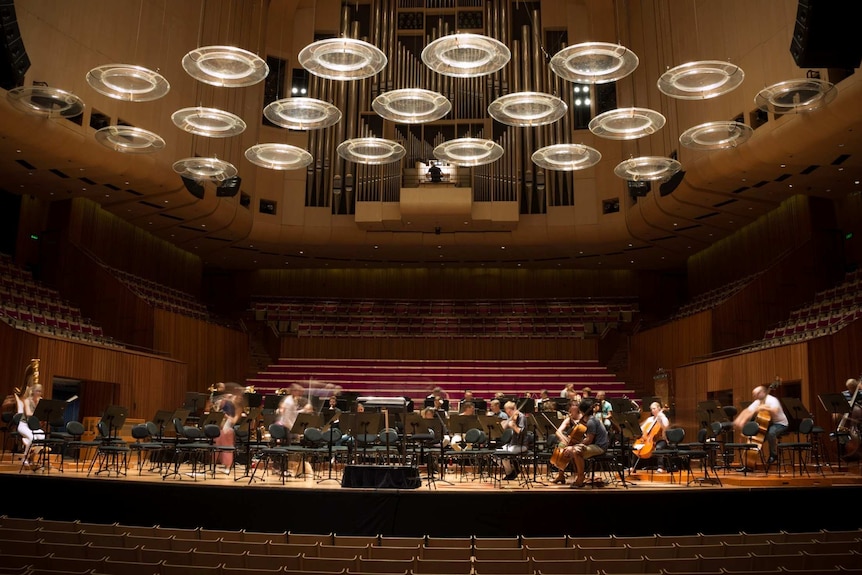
(454, 506)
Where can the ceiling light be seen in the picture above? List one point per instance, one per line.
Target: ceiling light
(466, 55)
(800, 95)
(647, 168)
(527, 109)
(715, 135)
(302, 113)
(626, 123)
(594, 62)
(468, 152)
(210, 122)
(205, 169)
(566, 157)
(129, 140)
(45, 101)
(278, 156)
(225, 66)
(371, 151)
(127, 82)
(342, 59)
(700, 80)
(411, 105)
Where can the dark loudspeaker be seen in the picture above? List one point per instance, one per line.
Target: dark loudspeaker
(195, 187)
(638, 188)
(228, 188)
(824, 36)
(14, 61)
(672, 183)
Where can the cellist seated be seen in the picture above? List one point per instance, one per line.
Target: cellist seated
(652, 435)
(765, 407)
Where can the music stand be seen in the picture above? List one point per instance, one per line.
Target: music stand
(271, 403)
(527, 405)
(252, 400)
(491, 423)
(416, 430)
(194, 398)
(837, 405)
(248, 421)
(160, 419)
(213, 418)
(461, 424)
(545, 427)
(367, 424)
(47, 411)
(438, 429)
(796, 412)
(115, 416)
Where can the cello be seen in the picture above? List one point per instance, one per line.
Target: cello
(576, 435)
(645, 445)
(763, 419)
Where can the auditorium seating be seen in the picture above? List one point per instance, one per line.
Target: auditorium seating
(26, 547)
(29, 305)
(162, 296)
(712, 298)
(306, 317)
(416, 378)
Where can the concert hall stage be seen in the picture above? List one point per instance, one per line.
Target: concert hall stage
(455, 508)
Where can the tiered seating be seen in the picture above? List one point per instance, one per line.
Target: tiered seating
(27, 304)
(830, 311)
(712, 298)
(416, 378)
(163, 297)
(443, 318)
(40, 546)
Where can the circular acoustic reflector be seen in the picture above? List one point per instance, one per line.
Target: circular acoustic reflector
(800, 95)
(626, 123)
(700, 80)
(594, 63)
(715, 135)
(127, 82)
(411, 105)
(466, 55)
(45, 101)
(468, 152)
(209, 122)
(527, 109)
(225, 66)
(278, 156)
(566, 157)
(211, 169)
(302, 113)
(129, 140)
(371, 151)
(342, 59)
(647, 168)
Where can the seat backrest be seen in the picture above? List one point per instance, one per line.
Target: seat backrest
(104, 429)
(33, 423)
(806, 425)
(211, 430)
(152, 428)
(312, 436)
(277, 432)
(715, 427)
(506, 437)
(750, 429)
(701, 435)
(192, 432)
(388, 435)
(473, 435)
(140, 431)
(75, 429)
(675, 435)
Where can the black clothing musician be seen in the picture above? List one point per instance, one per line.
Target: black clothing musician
(435, 173)
(519, 443)
(438, 399)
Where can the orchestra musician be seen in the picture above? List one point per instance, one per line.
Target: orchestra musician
(604, 409)
(290, 406)
(26, 400)
(653, 430)
(438, 399)
(517, 422)
(595, 442)
(228, 402)
(766, 404)
(565, 434)
(496, 410)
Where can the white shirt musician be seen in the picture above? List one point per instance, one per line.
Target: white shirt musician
(768, 405)
(26, 405)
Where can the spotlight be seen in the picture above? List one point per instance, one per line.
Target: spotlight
(228, 188)
(195, 187)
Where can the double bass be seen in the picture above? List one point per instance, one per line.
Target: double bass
(763, 418)
(850, 426)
